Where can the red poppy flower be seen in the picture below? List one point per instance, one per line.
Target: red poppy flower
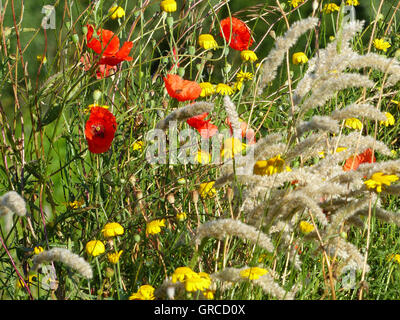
(241, 37)
(181, 89)
(353, 163)
(100, 129)
(102, 71)
(246, 132)
(107, 44)
(204, 127)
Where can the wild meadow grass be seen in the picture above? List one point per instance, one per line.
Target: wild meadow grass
(293, 199)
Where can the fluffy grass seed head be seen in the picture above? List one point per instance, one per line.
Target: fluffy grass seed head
(14, 202)
(65, 256)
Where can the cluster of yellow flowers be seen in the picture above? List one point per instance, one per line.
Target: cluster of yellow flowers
(193, 281)
(145, 292)
(253, 273)
(97, 247)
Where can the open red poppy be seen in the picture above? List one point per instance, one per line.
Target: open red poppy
(102, 70)
(107, 44)
(247, 133)
(100, 129)
(204, 127)
(241, 37)
(181, 89)
(353, 163)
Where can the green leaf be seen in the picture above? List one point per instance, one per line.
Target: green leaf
(52, 114)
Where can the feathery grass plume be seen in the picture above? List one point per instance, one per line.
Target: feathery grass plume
(381, 214)
(185, 113)
(359, 110)
(14, 202)
(387, 167)
(233, 117)
(11, 203)
(327, 88)
(322, 123)
(308, 147)
(378, 62)
(65, 256)
(344, 213)
(266, 282)
(222, 227)
(282, 44)
(169, 289)
(356, 143)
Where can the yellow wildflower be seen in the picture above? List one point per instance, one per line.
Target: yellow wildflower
(295, 3)
(195, 282)
(253, 273)
(181, 274)
(299, 58)
(75, 204)
(352, 2)
(203, 157)
(270, 166)
(353, 123)
(114, 257)
(237, 85)
(207, 41)
(381, 44)
(87, 110)
(41, 58)
(112, 229)
(145, 292)
(338, 149)
(37, 249)
(32, 278)
(154, 227)
(330, 7)
(95, 248)
(208, 294)
(168, 5)
(206, 189)
(138, 145)
(378, 179)
(248, 55)
(389, 121)
(395, 257)
(306, 227)
(244, 76)
(116, 12)
(207, 89)
(231, 147)
(181, 216)
(223, 89)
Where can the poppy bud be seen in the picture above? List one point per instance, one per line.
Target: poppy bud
(170, 21)
(75, 38)
(85, 30)
(191, 50)
(227, 68)
(136, 237)
(97, 95)
(181, 72)
(171, 198)
(195, 196)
